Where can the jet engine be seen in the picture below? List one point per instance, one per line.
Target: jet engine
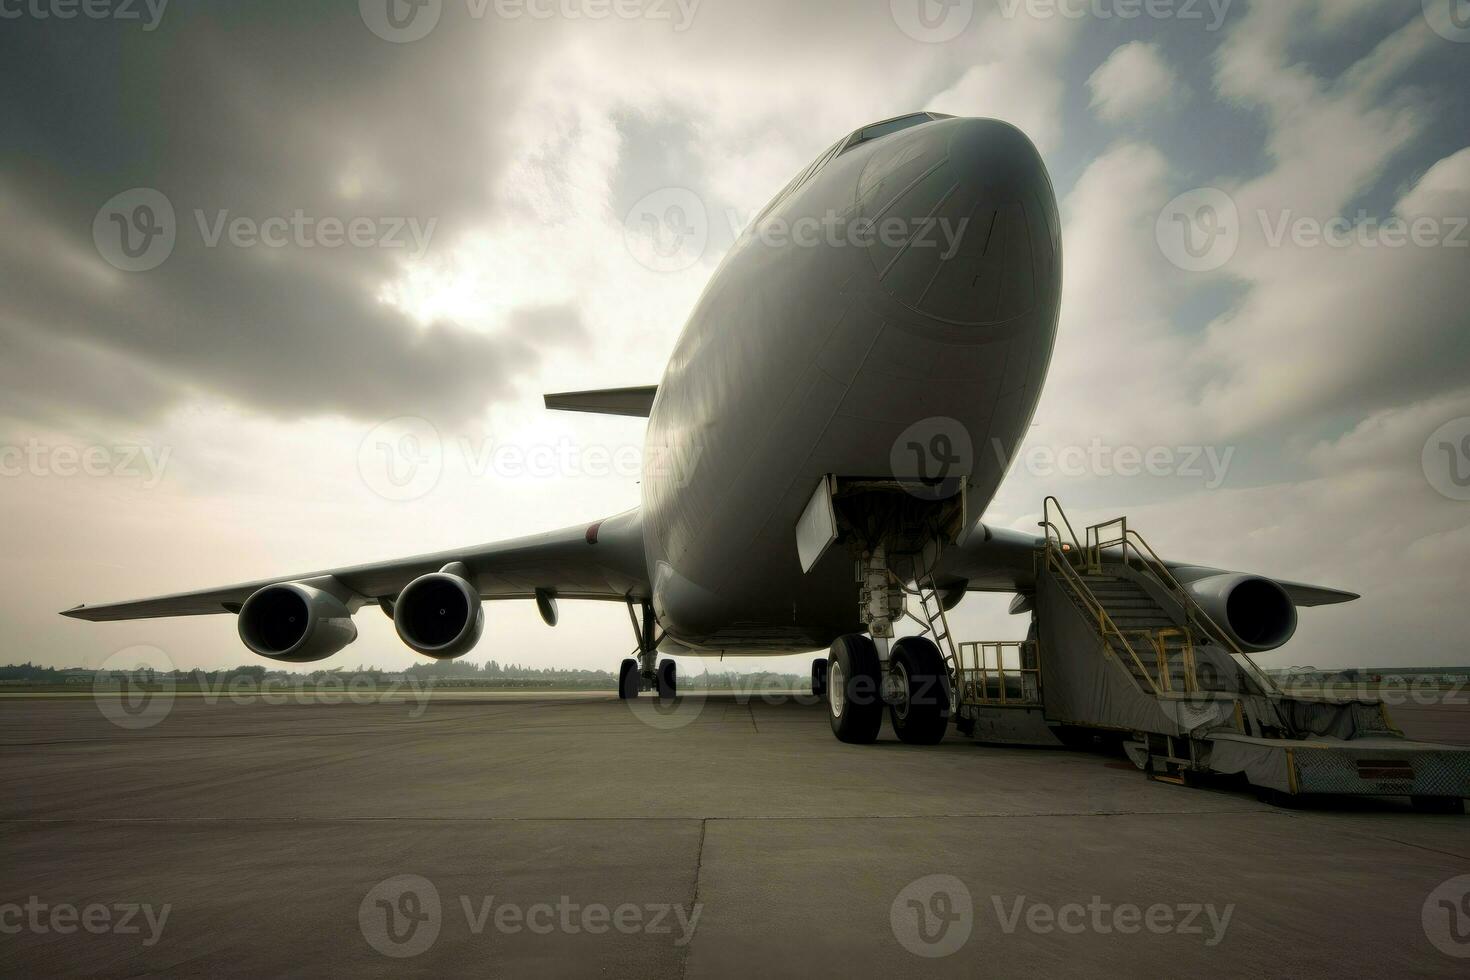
(295, 623)
(1256, 612)
(439, 614)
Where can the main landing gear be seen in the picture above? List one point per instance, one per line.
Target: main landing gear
(646, 673)
(913, 684)
(865, 673)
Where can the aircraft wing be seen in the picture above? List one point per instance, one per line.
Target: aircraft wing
(1001, 560)
(598, 561)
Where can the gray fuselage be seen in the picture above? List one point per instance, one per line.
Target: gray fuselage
(912, 281)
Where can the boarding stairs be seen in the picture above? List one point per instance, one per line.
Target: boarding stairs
(1120, 648)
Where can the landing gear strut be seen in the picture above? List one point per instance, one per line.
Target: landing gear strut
(645, 673)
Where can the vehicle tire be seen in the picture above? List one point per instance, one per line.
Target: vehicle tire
(668, 679)
(628, 679)
(922, 717)
(1438, 804)
(854, 692)
(819, 678)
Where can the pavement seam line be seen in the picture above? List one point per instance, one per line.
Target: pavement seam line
(698, 874)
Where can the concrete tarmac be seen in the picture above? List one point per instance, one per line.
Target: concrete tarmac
(574, 835)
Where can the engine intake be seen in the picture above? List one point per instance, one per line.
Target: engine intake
(295, 623)
(1256, 612)
(439, 614)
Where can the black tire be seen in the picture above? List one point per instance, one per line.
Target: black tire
(819, 678)
(1448, 805)
(668, 679)
(854, 694)
(922, 717)
(628, 679)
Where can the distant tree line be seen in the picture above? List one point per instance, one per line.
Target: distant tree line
(450, 672)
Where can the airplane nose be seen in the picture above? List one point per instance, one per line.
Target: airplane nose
(964, 220)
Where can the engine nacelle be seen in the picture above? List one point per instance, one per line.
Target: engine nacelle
(295, 623)
(1255, 611)
(439, 614)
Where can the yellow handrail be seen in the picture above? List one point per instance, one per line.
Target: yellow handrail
(1193, 611)
(1105, 624)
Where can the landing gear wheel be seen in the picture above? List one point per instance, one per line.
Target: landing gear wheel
(819, 678)
(667, 679)
(921, 716)
(628, 679)
(854, 690)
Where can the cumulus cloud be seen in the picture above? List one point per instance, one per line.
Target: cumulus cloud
(1135, 80)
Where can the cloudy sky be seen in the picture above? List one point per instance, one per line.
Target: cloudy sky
(345, 215)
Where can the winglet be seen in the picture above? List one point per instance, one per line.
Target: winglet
(630, 402)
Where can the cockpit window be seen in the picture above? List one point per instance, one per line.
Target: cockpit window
(843, 145)
(878, 130)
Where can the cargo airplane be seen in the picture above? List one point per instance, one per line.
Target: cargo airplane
(834, 387)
